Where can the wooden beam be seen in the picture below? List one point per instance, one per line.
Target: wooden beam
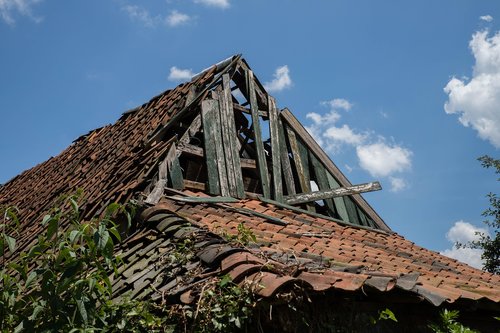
(214, 157)
(290, 119)
(175, 177)
(285, 160)
(339, 202)
(332, 193)
(246, 163)
(229, 137)
(322, 180)
(259, 145)
(275, 149)
(236, 106)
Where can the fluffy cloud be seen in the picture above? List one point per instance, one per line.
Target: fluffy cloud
(486, 18)
(463, 232)
(141, 15)
(281, 80)
(344, 134)
(381, 159)
(215, 3)
(10, 8)
(177, 18)
(338, 103)
(375, 155)
(477, 101)
(177, 74)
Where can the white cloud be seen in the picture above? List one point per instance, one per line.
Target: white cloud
(382, 160)
(141, 15)
(177, 74)
(10, 8)
(376, 156)
(281, 80)
(328, 118)
(177, 18)
(344, 134)
(463, 232)
(338, 103)
(477, 101)
(487, 18)
(397, 184)
(215, 3)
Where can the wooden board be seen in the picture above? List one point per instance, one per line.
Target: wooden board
(322, 181)
(259, 145)
(339, 202)
(275, 149)
(217, 183)
(285, 160)
(332, 193)
(229, 137)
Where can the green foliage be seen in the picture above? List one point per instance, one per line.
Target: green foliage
(448, 323)
(62, 283)
(385, 314)
(244, 237)
(223, 306)
(490, 244)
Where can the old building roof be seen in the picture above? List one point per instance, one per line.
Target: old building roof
(195, 159)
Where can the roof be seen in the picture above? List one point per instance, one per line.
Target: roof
(200, 170)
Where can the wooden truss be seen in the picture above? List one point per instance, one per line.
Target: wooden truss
(231, 140)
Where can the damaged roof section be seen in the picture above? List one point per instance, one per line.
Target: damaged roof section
(308, 252)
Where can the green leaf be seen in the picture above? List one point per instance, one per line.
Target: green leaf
(31, 277)
(11, 242)
(83, 311)
(387, 314)
(46, 219)
(52, 227)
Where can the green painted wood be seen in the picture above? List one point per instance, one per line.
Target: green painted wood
(216, 166)
(322, 180)
(352, 211)
(339, 202)
(362, 217)
(275, 149)
(229, 138)
(304, 158)
(175, 177)
(285, 160)
(259, 145)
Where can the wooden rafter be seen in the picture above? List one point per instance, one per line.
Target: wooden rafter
(332, 193)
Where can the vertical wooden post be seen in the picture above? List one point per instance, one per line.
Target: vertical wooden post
(275, 149)
(259, 145)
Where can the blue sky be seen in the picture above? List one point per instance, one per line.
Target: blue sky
(370, 80)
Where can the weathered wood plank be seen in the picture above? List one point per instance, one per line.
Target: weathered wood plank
(290, 119)
(275, 149)
(175, 176)
(246, 163)
(216, 165)
(339, 202)
(301, 166)
(229, 136)
(259, 145)
(322, 180)
(352, 211)
(332, 193)
(285, 160)
(191, 131)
